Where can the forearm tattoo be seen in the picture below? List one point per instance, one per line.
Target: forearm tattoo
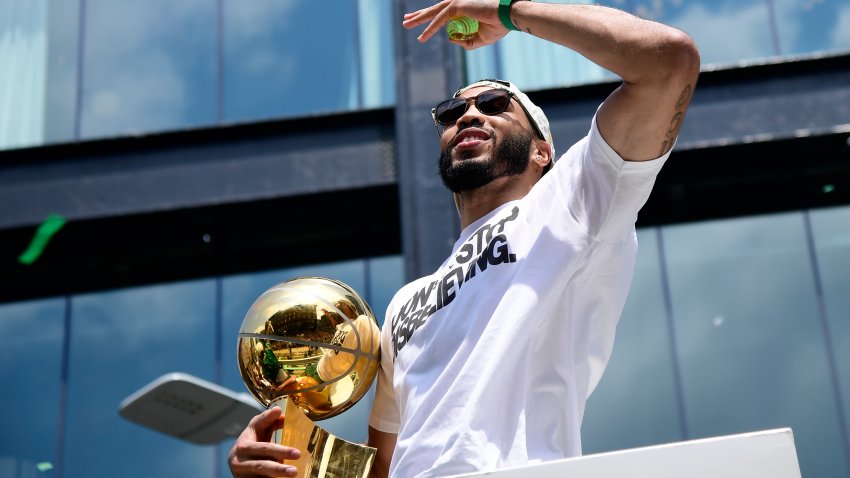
(676, 122)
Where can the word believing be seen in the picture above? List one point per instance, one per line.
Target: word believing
(488, 246)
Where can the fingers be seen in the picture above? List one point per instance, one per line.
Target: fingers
(432, 28)
(437, 14)
(251, 458)
(262, 450)
(414, 19)
(264, 424)
(440, 19)
(476, 41)
(466, 44)
(254, 468)
(490, 28)
(252, 455)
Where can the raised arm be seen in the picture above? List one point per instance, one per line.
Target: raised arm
(659, 64)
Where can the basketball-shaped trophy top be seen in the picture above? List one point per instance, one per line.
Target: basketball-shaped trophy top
(312, 339)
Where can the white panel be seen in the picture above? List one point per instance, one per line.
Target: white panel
(765, 454)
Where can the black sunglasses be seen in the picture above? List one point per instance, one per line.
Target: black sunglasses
(488, 102)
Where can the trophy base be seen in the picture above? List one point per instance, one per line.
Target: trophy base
(323, 455)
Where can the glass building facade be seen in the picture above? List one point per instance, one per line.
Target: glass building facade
(732, 325)
(84, 69)
(727, 33)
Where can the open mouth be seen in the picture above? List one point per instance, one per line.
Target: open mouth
(470, 138)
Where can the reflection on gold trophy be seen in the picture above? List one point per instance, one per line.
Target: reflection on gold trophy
(312, 342)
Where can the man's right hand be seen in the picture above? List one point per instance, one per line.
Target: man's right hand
(490, 28)
(253, 455)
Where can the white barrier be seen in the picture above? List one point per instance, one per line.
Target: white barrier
(764, 454)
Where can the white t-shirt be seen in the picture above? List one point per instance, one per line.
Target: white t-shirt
(487, 363)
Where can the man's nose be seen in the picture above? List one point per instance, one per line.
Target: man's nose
(471, 117)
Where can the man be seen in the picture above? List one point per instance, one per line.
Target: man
(488, 362)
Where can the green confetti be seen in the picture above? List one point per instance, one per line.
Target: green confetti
(44, 466)
(45, 231)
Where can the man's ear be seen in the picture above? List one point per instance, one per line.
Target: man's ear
(542, 154)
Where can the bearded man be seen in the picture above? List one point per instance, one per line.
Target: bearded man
(487, 362)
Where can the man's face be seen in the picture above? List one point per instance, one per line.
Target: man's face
(479, 148)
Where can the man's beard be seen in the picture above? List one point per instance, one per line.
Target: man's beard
(508, 158)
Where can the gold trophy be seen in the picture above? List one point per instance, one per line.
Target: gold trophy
(312, 342)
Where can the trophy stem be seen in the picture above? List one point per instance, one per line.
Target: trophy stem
(323, 455)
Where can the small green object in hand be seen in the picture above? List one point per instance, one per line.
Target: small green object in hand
(462, 28)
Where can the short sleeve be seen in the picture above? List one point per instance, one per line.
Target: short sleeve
(385, 416)
(602, 191)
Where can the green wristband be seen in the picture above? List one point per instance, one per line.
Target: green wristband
(505, 14)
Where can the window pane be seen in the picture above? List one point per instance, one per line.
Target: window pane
(749, 335)
(284, 59)
(725, 31)
(120, 341)
(831, 228)
(635, 403)
(813, 25)
(23, 54)
(377, 55)
(30, 371)
(386, 275)
(148, 66)
(62, 65)
(532, 63)
(38, 54)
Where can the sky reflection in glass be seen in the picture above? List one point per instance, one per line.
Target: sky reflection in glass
(148, 66)
(120, 341)
(31, 374)
(752, 348)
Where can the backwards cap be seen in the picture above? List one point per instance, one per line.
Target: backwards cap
(532, 111)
